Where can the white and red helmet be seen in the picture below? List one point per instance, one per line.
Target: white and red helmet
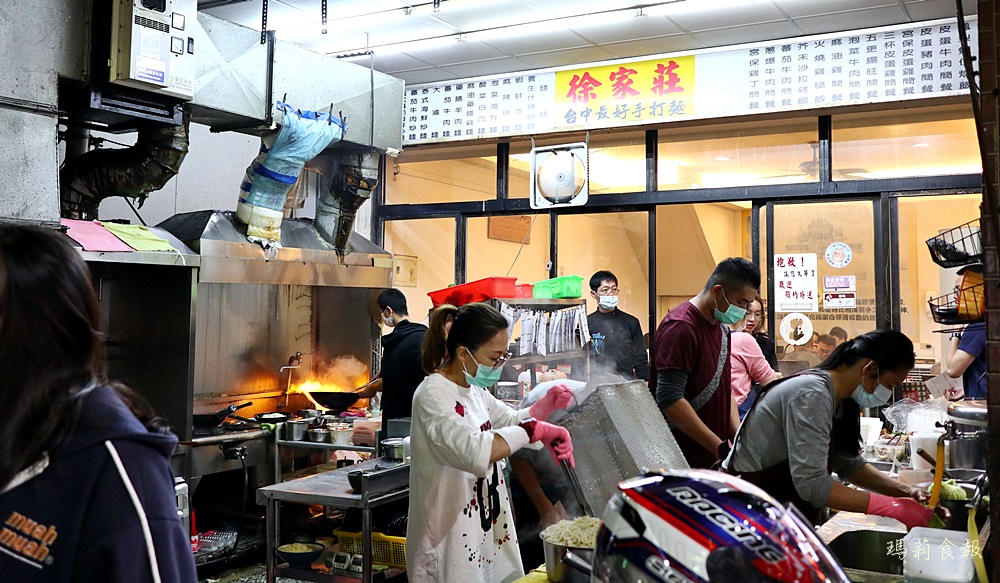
(703, 526)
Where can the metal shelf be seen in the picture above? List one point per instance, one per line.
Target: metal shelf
(326, 575)
(554, 357)
(541, 302)
(324, 445)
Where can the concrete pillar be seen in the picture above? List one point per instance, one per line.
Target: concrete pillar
(988, 86)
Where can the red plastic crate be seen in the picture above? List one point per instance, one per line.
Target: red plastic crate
(523, 290)
(441, 296)
(475, 291)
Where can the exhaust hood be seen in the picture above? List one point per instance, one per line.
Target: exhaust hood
(304, 257)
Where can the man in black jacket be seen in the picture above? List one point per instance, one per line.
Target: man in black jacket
(616, 342)
(401, 371)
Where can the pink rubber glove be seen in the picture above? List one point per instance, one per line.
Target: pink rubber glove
(557, 397)
(555, 438)
(906, 510)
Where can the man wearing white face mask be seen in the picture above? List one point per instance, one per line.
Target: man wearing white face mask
(401, 371)
(616, 338)
(691, 362)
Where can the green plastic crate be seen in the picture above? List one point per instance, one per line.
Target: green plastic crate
(567, 286)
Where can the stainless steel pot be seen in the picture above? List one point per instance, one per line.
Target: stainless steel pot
(557, 570)
(393, 449)
(295, 430)
(969, 417)
(321, 435)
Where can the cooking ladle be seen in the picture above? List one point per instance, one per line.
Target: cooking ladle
(930, 459)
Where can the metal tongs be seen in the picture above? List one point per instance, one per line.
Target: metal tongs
(574, 485)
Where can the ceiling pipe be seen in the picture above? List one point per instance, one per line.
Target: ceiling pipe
(353, 177)
(131, 172)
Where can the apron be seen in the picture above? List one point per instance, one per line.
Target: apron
(777, 480)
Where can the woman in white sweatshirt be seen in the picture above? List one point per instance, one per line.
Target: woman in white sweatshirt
(460, 526)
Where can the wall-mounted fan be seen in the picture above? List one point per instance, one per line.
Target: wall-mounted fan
(810, 169)
(559, 176)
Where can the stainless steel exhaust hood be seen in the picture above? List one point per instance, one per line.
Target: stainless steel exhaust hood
(304, 257)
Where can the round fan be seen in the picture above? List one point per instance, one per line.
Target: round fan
(560, 176)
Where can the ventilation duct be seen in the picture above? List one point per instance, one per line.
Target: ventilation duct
(353, 178)
(131, 172)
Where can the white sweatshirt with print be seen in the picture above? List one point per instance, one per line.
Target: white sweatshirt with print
(460, 526)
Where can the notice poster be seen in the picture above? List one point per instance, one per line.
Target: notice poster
(840, 282)
(795, 283)
(840, 301)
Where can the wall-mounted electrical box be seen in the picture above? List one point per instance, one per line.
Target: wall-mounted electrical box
(153, 45)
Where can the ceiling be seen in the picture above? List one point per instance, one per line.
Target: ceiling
(415, 41)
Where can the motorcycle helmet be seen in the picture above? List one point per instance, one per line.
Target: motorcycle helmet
(704, 526)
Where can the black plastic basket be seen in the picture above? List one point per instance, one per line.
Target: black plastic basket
(958, 246)
(964, 306)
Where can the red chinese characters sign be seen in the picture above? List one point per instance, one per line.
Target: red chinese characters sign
(626, 93)
(795, 283)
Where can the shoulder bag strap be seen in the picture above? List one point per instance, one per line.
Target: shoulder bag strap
(713, 385)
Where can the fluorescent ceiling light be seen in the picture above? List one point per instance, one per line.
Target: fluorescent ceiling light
(921, 145)
(722, 158)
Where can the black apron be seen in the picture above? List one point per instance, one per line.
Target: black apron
(777, 480)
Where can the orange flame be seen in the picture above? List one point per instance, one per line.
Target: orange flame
(340, 375)
(308, 387)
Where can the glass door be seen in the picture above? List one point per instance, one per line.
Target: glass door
(823, 277)
(919, 218)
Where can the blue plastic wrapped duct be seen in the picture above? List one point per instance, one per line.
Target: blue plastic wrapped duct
(303, 135)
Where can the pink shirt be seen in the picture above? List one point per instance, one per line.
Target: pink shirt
(748, 364)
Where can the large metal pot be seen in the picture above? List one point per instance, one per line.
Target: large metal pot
(556, 568)
(295, 430)
(969, 417)
(393, 449)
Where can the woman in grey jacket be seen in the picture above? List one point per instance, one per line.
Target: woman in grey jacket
(807, 426)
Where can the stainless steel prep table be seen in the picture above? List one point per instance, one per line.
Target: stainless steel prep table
(333, 489)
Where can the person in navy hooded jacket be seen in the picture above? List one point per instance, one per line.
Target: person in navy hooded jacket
(86, 489)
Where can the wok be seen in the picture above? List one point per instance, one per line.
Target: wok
(203, 420)
(338, 401)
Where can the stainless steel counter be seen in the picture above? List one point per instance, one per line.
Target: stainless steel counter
(333, 489)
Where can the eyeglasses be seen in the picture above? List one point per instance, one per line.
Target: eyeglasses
(497, 363)
(607, 291)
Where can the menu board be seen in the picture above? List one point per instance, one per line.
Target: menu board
(464, 110)
(883, 64)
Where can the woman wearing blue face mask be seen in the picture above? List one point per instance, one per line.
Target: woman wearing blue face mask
(804, 428)
(460, 526)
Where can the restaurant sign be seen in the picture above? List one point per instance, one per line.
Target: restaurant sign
(886, 64)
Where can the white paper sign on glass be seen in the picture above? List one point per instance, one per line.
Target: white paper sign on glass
(795, 282)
